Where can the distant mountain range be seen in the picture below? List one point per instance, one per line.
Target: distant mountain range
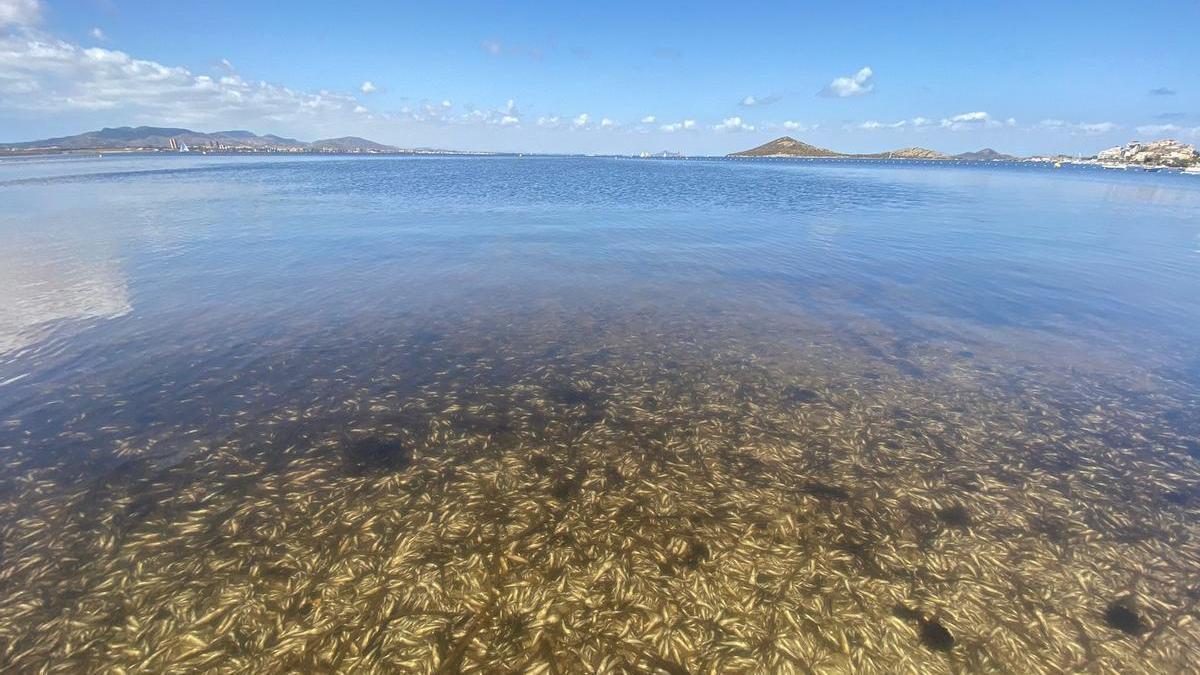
(790, 147)
(170, 138)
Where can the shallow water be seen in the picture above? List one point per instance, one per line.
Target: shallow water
(597, 415)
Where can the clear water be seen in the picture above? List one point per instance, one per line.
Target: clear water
(583, 414)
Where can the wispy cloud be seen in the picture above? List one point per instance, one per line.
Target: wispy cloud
(368, 87)
(98, 34)
(1161, 130)
(858, 84)
(580, 121)
(498, 48)
(649, 119)
(20, 12)
(756, 101)
(1079, 128)
(961, 122)
(1162, 91)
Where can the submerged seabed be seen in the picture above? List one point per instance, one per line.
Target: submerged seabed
(550, 491)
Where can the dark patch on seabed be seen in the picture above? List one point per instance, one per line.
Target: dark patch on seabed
(1121, 616)
(636, 499)
(373, 454)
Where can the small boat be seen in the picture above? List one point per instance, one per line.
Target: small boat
(1193, 170)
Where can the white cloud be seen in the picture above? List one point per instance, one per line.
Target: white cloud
(580, 121)
(44, 75)
(966, 118)
(915, 123)
(685, 125)
(732, 124)
(20, 12)
(551, 122)
(368, 87)
(360, 110)
(492, 47)
(973, 120)
(1161, 130)
(789, 125)
(649, 119)
(607, 123)
(857, 84)
(1079, 128)
(98, 34)
(446, 103)
(509, 120)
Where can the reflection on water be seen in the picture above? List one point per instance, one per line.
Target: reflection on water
(599, 415)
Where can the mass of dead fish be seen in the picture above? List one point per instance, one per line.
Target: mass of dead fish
(631, 496)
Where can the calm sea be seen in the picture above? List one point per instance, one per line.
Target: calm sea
(586, 414)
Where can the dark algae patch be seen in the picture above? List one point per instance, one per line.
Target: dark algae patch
(1123, 617)
(375, 454)
(932, 633)
(935, 636)
(955, 516)
(795, 394)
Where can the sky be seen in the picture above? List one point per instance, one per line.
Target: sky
(613, 77)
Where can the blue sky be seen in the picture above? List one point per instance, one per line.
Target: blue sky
(619, 76)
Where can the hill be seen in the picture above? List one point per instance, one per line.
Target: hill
(787, 147)
(985, 155)
(907, 153)
(350, 144)
(790, 147)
